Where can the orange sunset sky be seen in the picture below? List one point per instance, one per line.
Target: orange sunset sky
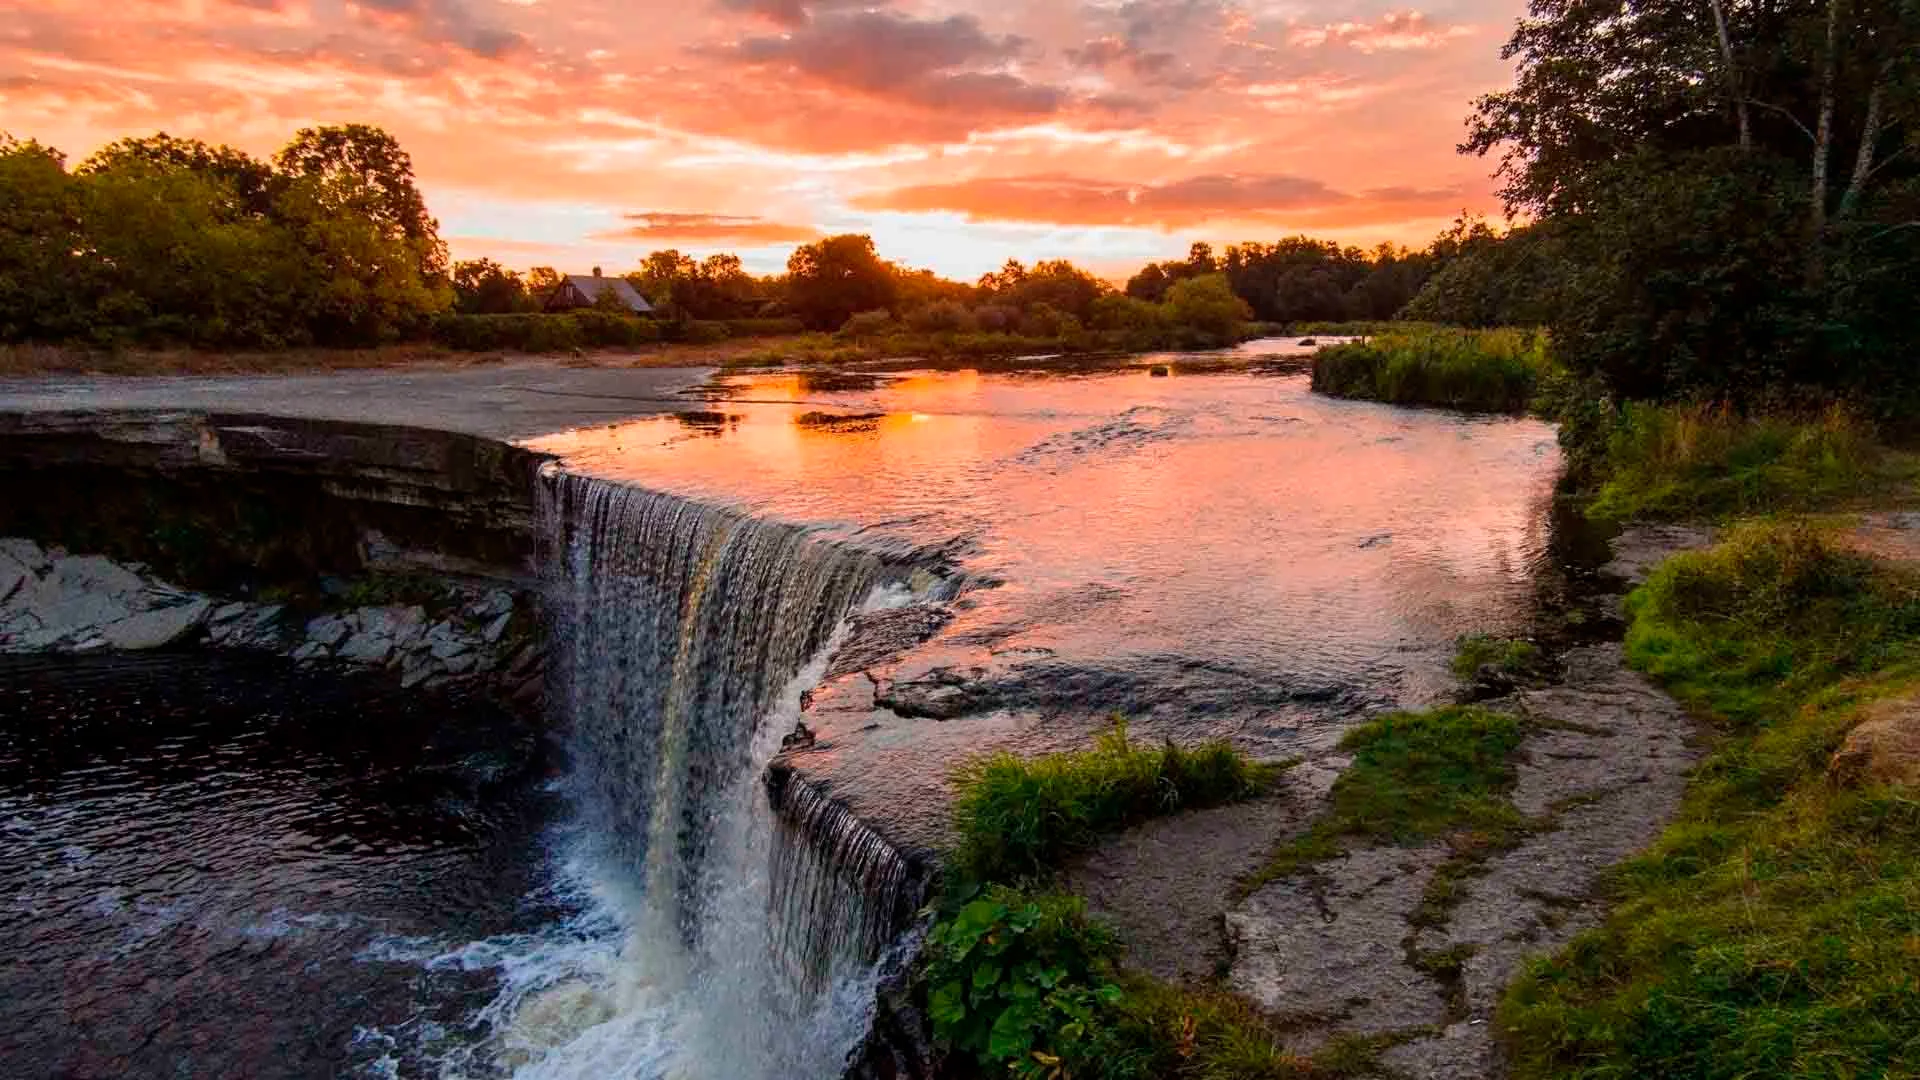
(960, 133)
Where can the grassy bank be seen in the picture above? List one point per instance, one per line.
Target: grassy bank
(1473, 370)
(942, 347)
(1774, 930)
(1694, 461)
(1021, 981)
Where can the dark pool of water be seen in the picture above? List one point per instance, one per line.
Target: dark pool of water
(199, 856)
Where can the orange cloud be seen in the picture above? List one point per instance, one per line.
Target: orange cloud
(1177, 204)
(710, 229)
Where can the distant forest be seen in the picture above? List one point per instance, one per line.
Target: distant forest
(168, 241)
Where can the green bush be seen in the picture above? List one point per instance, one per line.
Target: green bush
(1024, 984)
(1771, 930)
(1681, 461)
(1474, 370)
(1017, 817)
(753, 328)
(544, 333)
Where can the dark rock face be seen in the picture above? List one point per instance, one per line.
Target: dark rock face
(386, 548)
(234, 503)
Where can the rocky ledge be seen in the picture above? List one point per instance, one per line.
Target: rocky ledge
(55, 602)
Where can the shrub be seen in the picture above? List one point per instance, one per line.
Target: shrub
(753, 328)
(1016, 816)
(1695, 460)
(1023, 983)
(996, 318)
(941, 317)
(1475, 370)
(544, 333)
(868, 324)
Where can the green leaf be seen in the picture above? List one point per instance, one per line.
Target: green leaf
(948, 1005)
(1012, 1035)
(985, 976)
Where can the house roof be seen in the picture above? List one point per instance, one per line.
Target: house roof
(591, 287)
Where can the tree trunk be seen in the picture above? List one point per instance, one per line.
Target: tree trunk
(1869, 136)
(1734, 82)
(1823, 139)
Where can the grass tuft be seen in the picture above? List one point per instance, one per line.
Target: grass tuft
(1508, 656)
(1017, 817)
(1415, 776)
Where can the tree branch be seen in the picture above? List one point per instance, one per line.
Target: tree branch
(1804, 129)
(1869, 136)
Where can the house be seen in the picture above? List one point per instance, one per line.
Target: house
(580, 291)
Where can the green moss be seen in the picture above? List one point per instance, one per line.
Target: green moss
(1416, 776)
(1774, 929)
(1509, 656)
(1017, 817)
(1474, 370)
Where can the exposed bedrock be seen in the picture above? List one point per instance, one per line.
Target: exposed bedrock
(391, 549)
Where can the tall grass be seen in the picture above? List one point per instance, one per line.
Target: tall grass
(1680, 461)
(1774, 929)
(1472, 370)
(1018, 817)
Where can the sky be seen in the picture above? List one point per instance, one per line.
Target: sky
(958, 133)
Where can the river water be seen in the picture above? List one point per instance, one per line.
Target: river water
(211, 868)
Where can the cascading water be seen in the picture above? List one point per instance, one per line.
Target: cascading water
(722, 935)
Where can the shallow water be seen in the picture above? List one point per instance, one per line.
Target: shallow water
(1219, 548)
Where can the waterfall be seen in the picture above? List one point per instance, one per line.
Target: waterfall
(840, 890)
(749, 924)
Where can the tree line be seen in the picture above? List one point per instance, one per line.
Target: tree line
(1725, 196)
(163, 240)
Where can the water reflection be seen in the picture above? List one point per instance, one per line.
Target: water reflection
(1213, 544)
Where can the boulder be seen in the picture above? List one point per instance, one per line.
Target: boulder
(1884, 748)
(158, 627)
(26, 553)
(327, 631)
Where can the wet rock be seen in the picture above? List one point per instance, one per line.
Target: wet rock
(1326, 948)
(1639, 549)
(310, 652)
(497, 628)
(1884, 749)
(26, 553)
(494, 604)
(156, 628)
(446, 642)
(258, 629)
(328, 631)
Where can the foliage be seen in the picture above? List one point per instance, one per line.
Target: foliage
(544, 333)
(1016, 817)
(866, 325)
(1206, 308)
(1486, 370)
(484, 287)
(1488, 280)
(165, 240)
(1732, 189)
(830, 281)
(1415, 775)
(1023, 983)
(1770, 931)
(1300, 279)
(1509, 656)
(1682, 461)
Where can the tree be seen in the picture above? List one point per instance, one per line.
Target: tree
(830, 281)
(252, 181)
(361, 170)
(45, 284)
(1724, 175)
(1207, 306)
(484, 287)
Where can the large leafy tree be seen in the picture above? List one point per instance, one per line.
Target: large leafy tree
(358, 170)
(830, 281)
(1734, 182)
